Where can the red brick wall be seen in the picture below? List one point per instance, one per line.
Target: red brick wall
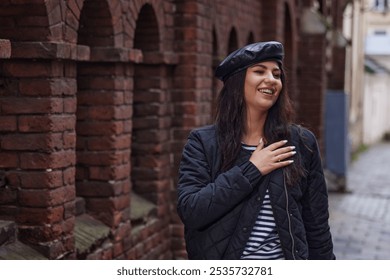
(42, 144)
(97, 99)
(312, 82)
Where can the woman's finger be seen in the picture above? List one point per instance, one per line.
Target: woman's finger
(284, 156)
(277, 145)
(261, 144)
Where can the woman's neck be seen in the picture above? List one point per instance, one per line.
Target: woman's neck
(254, 129)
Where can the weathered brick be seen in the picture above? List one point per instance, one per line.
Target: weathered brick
(46, 198)
(5, 48)
(100, 128)
(7, 196)
(116, 172)
(32, 69)
(31, 105)
(39, 216)
(42, 233)
(31, 142)
(100, 189)
(9, 159)
(69, 209)
(40, 179)
(47, 161)
(50, 123)
(107, 142)
(8, 123)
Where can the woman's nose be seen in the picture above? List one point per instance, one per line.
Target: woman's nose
(270, 78)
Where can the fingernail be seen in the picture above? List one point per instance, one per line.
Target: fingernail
(293, 152)
(292, 147)
(285, 141)
(261, 140)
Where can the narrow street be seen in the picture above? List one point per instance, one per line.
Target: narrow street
(360, 218)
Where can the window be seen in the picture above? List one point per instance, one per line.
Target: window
(380, 32)
(381, 5)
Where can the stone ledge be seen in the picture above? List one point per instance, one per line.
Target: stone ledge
(19, 251)
(169, 58)
(50, 50)
(110, 54)
(141, 210)
(60, 50)
(89, 234)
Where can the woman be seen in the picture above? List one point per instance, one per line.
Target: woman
(251, 186)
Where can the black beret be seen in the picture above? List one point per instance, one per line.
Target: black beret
(247, 56)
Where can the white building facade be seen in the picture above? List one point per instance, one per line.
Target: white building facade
(367, 28)
(376, 101)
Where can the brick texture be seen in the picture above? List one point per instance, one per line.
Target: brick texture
(5, 48)
(97, 99)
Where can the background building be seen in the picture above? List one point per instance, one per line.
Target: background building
(366, 24)
(376, 101)
(97, 98)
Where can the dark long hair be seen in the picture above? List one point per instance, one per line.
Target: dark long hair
(230, 121)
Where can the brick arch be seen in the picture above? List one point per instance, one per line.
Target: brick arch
(147, 33)
(151, 152)
(232, 43)
(157, 6)
(251, 38)
(103, 114)
(95, 25)
(50, 20)
(69, 30)
(149, 116)
(290, 8)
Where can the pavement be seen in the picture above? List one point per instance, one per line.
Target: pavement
(360, 217)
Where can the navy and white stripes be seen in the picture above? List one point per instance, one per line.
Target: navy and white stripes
(264, 242)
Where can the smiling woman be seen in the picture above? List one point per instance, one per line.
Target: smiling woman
(251, 186)
(262, 88)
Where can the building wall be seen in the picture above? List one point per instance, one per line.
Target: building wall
(354, 72)
(376, 107)
(96, 101)
(376, 91)
(365, 20)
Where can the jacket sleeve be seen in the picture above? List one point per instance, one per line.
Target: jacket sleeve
(202, 201)
(315, 208)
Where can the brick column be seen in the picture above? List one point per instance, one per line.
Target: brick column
(104, 112)
(312, 82)
(8, 124)
(192, 96)
(39, 98)
(272, 19)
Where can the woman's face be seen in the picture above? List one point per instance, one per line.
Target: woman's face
(262, 85)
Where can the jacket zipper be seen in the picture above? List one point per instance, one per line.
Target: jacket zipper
(289, 219)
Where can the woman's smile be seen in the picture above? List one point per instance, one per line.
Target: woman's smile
(262, 85)
(267, 91)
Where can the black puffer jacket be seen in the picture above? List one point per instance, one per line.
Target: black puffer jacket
(220, 209)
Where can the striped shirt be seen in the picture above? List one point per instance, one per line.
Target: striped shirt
(263, 242)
